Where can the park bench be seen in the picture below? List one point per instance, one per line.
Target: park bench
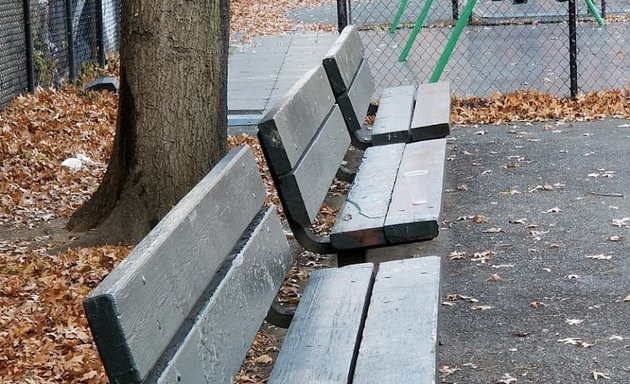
(405, 114)
(304, 139)
(185, 305)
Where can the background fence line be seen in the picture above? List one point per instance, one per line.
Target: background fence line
(43, 42)
(506, 45)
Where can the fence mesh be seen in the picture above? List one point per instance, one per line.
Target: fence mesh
(13, 76)
(65, 36)
(111, 24)
(504, 45)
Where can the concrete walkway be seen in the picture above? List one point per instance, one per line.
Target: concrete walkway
(261, 72)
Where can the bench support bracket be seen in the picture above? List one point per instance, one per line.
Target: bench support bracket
(309, 240)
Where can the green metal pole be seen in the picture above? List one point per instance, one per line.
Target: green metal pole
(452, 41)
(595, 12)
(401, 9)
(415, 31)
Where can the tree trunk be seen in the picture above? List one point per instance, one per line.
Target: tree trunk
(172, 117)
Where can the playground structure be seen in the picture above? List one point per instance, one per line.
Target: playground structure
(459, 26)
(561, 47)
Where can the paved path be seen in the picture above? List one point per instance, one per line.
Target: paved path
(535, 244)
(261, 72)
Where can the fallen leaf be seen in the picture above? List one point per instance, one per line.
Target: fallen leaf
(574, 321)
(263, 359)
(599, 257)
(519, 221)
(457, 255)
(570, 340)
(506, 379)
(614, 238)
(495, 278)
(445, 370)
(616, 338)
(479, 219)
(537, 304)
(493, 230)
(598, 375)
(627, 298)
(553, 210)
(481, 307)
(625, 222)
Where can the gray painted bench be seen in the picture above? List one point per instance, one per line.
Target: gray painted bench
(405, 114)
(185, 305)
(304, 139)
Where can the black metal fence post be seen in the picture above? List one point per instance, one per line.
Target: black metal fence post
(100, 36)
(603, 12)
(70, 41)
(573, 49)
(342, 14)
(28, 44)
(455, 8)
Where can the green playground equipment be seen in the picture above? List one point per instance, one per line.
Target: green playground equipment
(457, 31)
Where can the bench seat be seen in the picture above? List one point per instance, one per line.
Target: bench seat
(186, 304)
(405, 114)
(378, 209)
(356, 325)
(304, 139)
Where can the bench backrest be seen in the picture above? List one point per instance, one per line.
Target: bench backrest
(304, 140)
(350, 77)
(188, 300)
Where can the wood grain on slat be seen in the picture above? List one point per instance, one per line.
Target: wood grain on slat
(320, 346)
(288, 128)
(393, 118)
(361, 219)
(400, 336)
(355, 101)
(408, 222)
(343, 59)
(136, 310)
(225, 328)
(432, 113)
(304, 189)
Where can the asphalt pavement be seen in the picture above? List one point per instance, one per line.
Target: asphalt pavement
(536, 254)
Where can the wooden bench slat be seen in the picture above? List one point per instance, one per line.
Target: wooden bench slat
(320, 345)
(432, 113)
(303, 190)
(394, 116)
(408, 222)
(220, 338)
(343, 59)
(295, 119)
(356, 100)
(362, 217)
(399, 340)
(138, 307)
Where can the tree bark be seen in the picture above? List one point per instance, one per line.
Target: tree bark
(172, 118)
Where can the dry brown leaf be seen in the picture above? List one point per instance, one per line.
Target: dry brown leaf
(495, 278)
(537, 304)
(263, 359)
(493, 230)
(599, 257)
(600, 375)
(479, 219)
(506, 379)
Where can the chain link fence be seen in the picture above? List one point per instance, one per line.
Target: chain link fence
(44, 42)
(503, 46)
